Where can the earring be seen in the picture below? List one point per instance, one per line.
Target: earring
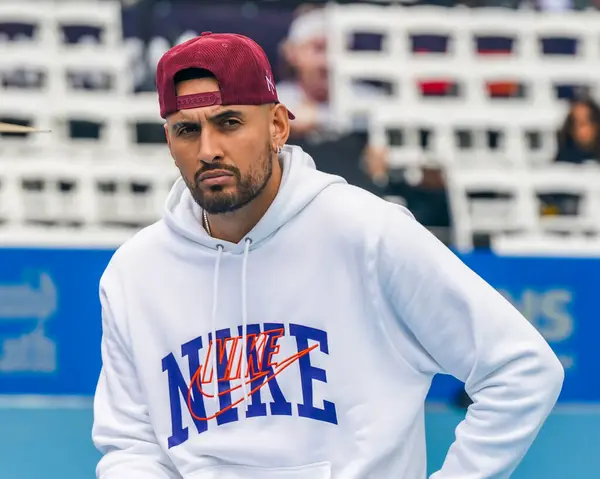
(278, 149)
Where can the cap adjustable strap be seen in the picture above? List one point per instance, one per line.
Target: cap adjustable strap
(198, 99)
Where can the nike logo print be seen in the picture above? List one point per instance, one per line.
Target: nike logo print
(277, 368)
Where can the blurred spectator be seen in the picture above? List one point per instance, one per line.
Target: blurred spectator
(579, 138)
(307, 92)
(578, 143)
(305, 51)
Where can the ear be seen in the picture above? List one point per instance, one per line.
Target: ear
(280, 126)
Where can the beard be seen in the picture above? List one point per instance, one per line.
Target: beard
(215, 200)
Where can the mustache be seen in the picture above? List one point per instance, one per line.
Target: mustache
(216, 166)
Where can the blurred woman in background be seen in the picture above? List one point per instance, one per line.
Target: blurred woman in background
(578, 143)
(579, 138)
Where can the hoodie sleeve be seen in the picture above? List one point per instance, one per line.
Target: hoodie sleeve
(460, 325)
(122, 431)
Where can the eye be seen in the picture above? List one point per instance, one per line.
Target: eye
(230, 123)
(186, 130)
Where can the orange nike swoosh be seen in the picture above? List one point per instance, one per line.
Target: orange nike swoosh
(280, 367)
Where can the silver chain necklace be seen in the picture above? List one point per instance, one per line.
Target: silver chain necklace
(206, 223)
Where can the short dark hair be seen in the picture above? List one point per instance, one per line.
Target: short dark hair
(191, 74)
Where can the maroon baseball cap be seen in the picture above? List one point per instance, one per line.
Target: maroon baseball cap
(239, 64)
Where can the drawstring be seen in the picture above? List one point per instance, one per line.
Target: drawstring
(247, 244)
(215, 377)
(214, 325)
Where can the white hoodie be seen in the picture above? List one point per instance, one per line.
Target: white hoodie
(348, 307)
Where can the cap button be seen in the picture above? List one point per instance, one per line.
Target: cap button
(205, 33)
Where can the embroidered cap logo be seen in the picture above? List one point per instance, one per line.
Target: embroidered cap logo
(270, 84)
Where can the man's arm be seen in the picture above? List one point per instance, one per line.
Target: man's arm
(122, 430)
(463, 327)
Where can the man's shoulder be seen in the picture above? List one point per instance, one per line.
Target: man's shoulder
(350, 205)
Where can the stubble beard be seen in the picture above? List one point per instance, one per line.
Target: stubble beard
(217, 201)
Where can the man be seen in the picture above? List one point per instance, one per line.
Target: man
(279, 323)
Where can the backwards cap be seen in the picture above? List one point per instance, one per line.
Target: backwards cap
(239, 64)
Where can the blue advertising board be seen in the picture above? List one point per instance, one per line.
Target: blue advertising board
(50, 326)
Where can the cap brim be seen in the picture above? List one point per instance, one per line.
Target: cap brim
(291, 116)
(10, 128)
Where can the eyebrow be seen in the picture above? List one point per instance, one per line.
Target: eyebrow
(225, 114)
(213, 119)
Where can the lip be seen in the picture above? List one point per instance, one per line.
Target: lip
(209, 175)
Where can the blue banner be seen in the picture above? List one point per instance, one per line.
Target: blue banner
(50, 326)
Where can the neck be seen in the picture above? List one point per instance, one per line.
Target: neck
(232, 227)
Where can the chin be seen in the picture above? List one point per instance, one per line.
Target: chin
(217, 202)
(219, 191)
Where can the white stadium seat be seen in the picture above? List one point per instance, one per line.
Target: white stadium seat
(513, 212)
(570, 180)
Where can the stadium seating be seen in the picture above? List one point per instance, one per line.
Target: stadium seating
(101, 183)
(518, 169)
(53, 179)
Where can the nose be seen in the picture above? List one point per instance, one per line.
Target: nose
(209, 147)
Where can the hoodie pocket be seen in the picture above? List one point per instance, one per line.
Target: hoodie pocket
(320, 470)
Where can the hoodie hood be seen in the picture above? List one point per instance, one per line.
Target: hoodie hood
(300, 184)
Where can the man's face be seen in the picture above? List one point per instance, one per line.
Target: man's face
(224, 153)
(310, 60)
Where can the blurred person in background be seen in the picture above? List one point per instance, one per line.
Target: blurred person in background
(578, 144)
(305, 51)
(307, 95)
(579, 137)
(307, 91)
